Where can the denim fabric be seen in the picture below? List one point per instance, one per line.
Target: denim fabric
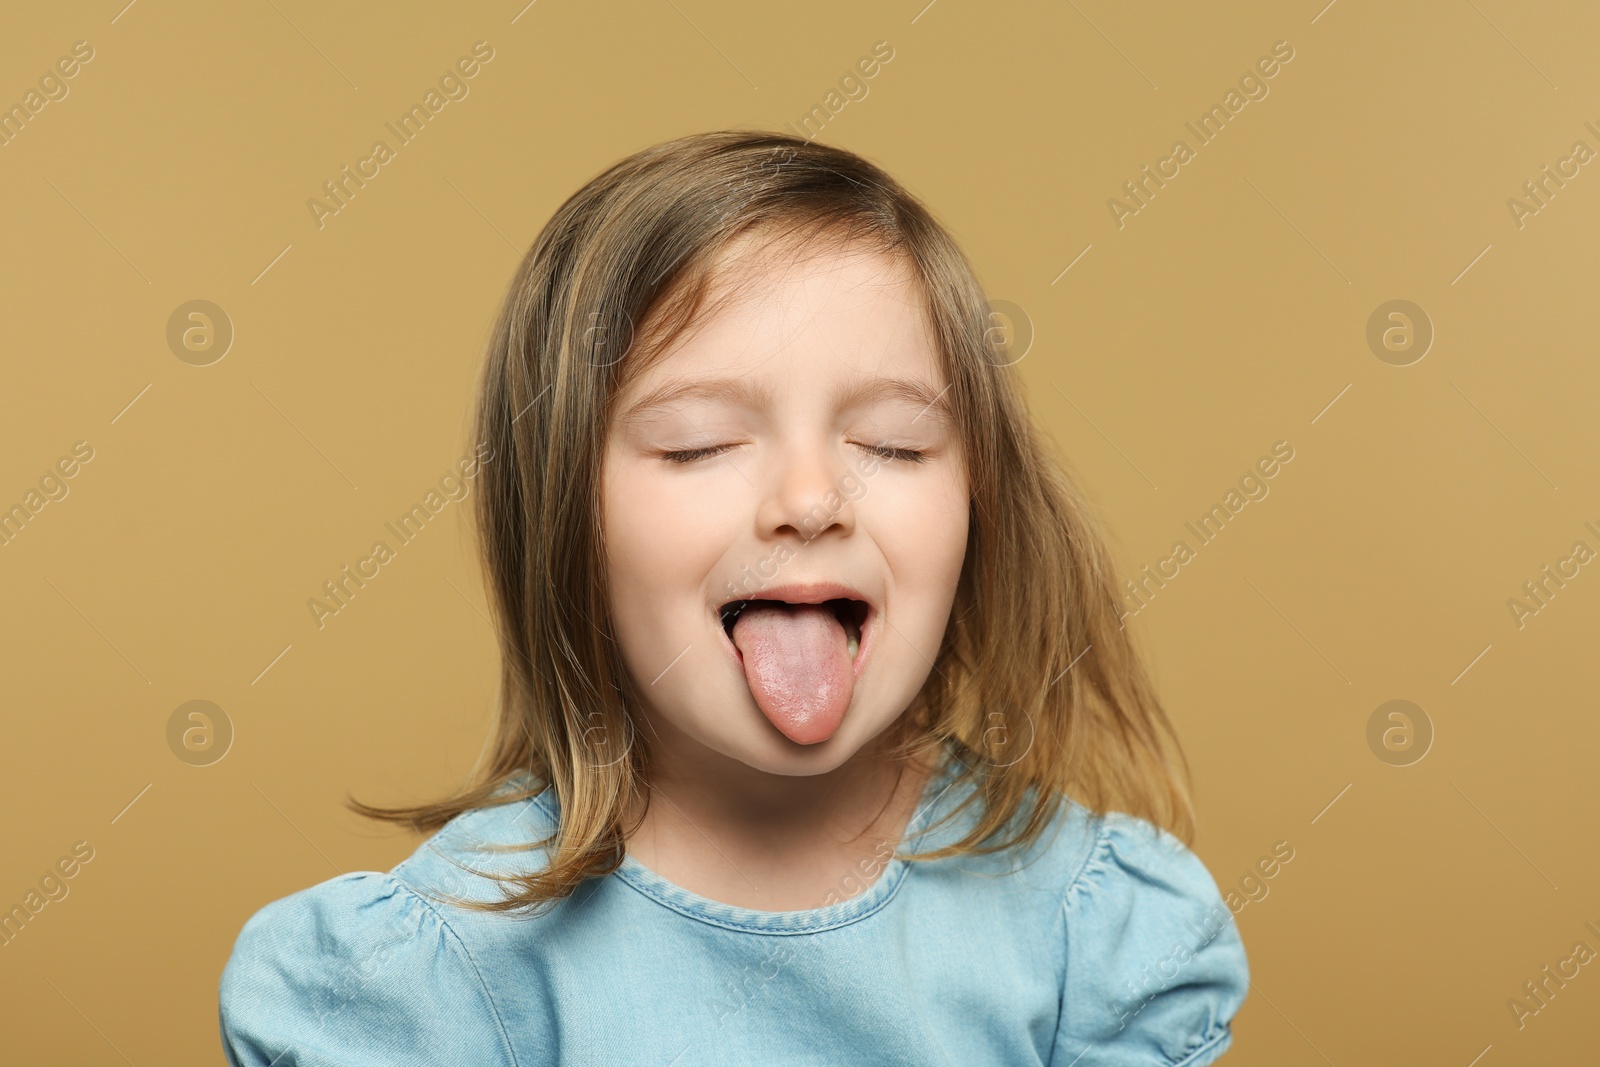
(1105, 944)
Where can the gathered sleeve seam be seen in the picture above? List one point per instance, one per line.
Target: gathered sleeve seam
(1212, 1042)
(1094, 857)
(1100, 860)
(477, 972)
(1077, 878)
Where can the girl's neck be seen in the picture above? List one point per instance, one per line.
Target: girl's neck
(741, 836)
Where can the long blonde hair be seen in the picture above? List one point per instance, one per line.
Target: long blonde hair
(1036, 685)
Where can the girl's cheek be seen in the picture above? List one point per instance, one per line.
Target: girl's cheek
(665, 533)
(927, 512)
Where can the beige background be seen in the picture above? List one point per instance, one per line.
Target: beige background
(1229, 314)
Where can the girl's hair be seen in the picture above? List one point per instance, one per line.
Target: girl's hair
(1036, 685)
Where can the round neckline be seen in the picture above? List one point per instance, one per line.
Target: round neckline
(703, 909)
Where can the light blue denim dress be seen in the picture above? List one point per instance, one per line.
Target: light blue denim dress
(1106, 945)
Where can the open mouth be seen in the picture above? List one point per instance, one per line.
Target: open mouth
(852, 615)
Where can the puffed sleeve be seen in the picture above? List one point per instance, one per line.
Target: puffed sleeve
(357, 971)
(1155, 967)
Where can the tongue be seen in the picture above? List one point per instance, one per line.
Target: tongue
(797, 661)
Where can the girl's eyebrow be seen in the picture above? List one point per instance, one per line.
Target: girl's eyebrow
(912, 390)
(732, 390)
(745, 393)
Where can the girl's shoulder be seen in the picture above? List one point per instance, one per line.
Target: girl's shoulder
(462, 858)
(1152, 968)
(1154, 961)
(367, 961)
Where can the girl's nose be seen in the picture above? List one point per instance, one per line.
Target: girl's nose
(804, 498)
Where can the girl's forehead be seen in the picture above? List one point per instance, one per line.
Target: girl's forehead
(752, 267)
(788, 310)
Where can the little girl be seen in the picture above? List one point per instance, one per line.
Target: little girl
(820, 740)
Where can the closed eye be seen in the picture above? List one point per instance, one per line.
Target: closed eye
(890, 452)
(689, 455)
(908, 455)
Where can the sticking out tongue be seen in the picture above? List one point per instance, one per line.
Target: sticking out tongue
(797, 661)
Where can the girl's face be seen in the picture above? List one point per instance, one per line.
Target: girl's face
(785, 512)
